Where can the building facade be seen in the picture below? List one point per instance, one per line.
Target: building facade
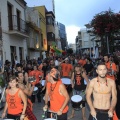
(62, 33)
(14, 29)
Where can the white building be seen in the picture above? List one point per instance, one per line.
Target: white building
(14, 29)
(86, 43)
(57, 36)
(73, 47)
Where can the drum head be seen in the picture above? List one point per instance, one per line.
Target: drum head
(43, 82)
(8, 119)
(49, 119)
(35, 88)
(66, 81)
(76, 98)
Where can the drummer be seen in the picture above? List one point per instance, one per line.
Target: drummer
(58, 95)
(79, 75)
(38, 76)
(28, 90)
(66, 68)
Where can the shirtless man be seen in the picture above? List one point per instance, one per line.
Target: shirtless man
(104, 95)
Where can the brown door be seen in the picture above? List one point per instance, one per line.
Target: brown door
(10, 24)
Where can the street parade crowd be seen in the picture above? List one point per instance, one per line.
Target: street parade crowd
(61, 80)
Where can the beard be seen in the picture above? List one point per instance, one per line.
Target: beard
(102, 76)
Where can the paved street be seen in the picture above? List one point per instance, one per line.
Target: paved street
(37, 108)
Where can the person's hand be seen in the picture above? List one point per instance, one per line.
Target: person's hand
(22, 117)
(45, 108)
(110, 113)
(93, 113)
(3, 115)
(59, 112)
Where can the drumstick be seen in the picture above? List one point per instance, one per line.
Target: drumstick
(95, 117)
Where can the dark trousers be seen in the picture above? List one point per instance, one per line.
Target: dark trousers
(62, 117)
(100, 116)
(15, 117)
(38, 94)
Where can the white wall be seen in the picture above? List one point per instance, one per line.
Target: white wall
(11, 40)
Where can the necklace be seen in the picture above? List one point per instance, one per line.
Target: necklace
(103, 82)
(52, 88)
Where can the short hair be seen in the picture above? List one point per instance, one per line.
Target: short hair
(100, 63)
(19, 65)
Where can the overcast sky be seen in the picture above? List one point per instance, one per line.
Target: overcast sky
(74, 14)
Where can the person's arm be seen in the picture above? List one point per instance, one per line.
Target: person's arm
(72, 80)
(89, 91)
(64, 92)
(85, 77)
(26, 77)
(46, 100)
(4, 111)
(114, 96)
(24, 100)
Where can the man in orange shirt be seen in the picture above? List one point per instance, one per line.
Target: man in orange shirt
(58, 95)
(66, 68)
(38, 76)
(82, 61)
(111, 66)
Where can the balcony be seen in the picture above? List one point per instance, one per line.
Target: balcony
(17, 26)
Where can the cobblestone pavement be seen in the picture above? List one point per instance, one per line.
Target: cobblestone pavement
(37, 109)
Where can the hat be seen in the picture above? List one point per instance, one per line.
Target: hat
(54, 73)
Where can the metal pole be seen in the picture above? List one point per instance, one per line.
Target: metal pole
(107, 45)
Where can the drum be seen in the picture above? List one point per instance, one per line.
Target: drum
(8, 119)
(48, 101)
(67, 83)
(35, 91)
(50, 115)
(76, 101)
(31, 79)
(43, 82)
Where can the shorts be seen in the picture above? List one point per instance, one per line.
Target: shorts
(101, 115)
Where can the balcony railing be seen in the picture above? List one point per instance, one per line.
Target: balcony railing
(17, 24)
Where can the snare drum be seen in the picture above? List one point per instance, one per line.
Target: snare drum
(31, 79)
(8, 119)
(76, 101)
(67, 83)
(43, 82)
(35, 91)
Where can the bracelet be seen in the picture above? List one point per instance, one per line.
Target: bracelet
(22, 114)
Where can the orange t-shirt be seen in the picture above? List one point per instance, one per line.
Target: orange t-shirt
(56, 99)
(36, 73)
(82, 62)
(14, 102)
(66, 69)
(113, 67)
